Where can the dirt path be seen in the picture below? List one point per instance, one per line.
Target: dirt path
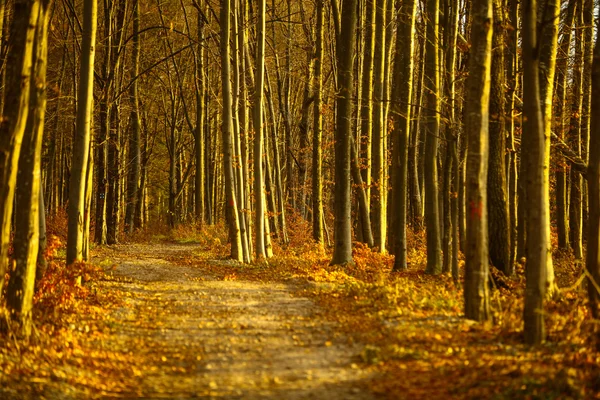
(198, 337)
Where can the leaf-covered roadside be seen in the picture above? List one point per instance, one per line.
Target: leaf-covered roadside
(414, 333)
(60, 359)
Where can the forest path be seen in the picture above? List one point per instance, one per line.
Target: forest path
(199, 337)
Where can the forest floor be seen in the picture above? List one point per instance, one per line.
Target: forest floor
(169, 316)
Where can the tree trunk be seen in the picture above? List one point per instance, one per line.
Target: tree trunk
(574, 137)
(533, 173)
(593, 245)
(342, 251)
(133, 177)
(366, 107)
(379, 186)
(81, 145)
(550, 11)
(27, 227)
(259, 189)
(401, 120)
(431, 116)
(227, 127)
(560, 110)
(317, 154)
(498, 217)
(477, 103)
(16, 110)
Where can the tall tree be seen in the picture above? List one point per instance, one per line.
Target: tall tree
(431, 116)
(379, 186)
(477, 305)
(135, 157)
(401, 116)
(593, 250)
(561, 111)
(498, 217)
(199, 184)
(548, 27)
(533, 167)
(227, 133)
(81, 145)
(259, 189)
(317, 162)
(345, 42)
(16, 110)
(28, 196)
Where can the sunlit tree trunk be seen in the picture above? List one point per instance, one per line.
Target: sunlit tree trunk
(199, 183)
(342, 251)
(317, 162)
(379, 186)
(431, 116)
(512, 61)
(81, 145)
(27, 226)
(588, 43)
(533, 173)
(477, 305)
(561, 109)
(259, 189)
(498, 217)
(593, 244)
(550, 12)
(574, 137)
(227, 131)
(237, 56)
(366, 106)
(16, 110)
(134, 170)
(400, 114)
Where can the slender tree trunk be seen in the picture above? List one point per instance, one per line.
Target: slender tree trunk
(342, 251)
(533, 168)
(133, 178)
(550, 11)
(512, 61)
(498, 217)
(81, 145)
(366, 108)
(575, 206)
(593, 244)
(200, 117)
(227, 127)
(561, 110)
(477, 103)
(16, 110)
(379, 187)
(259, 190)
(317, 162)
(27, 227)
(401, 121)
(432, 128)
(588, 43)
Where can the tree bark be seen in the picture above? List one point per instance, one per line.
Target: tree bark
(16, 110)
(431, 116)
(81, 145)
(27, 227)
(498, 217)
(533, 173)
(227, 128)
(342, 250)
(317, 162)
(593, 244)
(401, 120)
(476, 292)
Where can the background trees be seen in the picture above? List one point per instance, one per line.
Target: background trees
(333, 95)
